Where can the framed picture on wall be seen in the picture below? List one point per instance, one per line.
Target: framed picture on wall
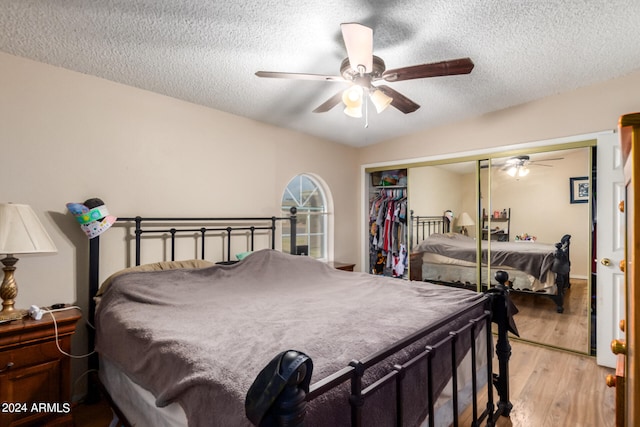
(579, 189)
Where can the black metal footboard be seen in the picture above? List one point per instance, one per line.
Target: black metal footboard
(561, 267)
(287, 407)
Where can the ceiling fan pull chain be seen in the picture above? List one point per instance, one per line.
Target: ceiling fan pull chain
(366, 110)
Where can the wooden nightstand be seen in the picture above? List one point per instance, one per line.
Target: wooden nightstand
(35, 384)
(415, 266)
(342, 265)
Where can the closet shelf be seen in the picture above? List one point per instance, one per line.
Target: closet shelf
(391, 187)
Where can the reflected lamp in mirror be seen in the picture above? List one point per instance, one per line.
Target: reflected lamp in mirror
(21, 232)
(465, 221)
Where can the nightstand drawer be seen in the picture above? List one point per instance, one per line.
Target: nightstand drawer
(31, 354)
(34, 374)
(36, 383)
(345, 266)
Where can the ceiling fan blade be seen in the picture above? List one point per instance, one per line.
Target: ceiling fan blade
(329, 103)
(358, 40)
(400, 101)
(546, 160)
(299, 76)
(435, 69)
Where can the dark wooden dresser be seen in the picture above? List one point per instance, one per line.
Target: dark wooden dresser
(35, 384)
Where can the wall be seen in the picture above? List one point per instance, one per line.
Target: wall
(67, 137)
(591, 109)
(433, 190)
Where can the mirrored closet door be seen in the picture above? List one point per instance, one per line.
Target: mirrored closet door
(539, 204)
(522, 203)
(443, 202)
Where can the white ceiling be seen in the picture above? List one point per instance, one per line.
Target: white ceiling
(207, 52)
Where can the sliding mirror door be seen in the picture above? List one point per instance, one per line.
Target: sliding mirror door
(443, 208)
(532, 205)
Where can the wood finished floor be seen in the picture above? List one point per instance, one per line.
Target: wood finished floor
(92, 415)
(556, 388)
(548, 388)
(539, 322)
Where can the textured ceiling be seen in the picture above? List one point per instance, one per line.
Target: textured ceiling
(207, 52)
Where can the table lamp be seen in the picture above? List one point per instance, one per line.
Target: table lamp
(465, 221)
(20, 233)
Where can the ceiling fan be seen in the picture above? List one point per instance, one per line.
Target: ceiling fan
(361, 69)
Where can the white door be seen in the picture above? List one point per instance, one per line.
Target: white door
(609, 247)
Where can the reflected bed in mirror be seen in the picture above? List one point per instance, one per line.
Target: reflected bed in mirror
(534, 268)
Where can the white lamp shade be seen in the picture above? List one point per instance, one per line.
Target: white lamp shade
(380, 100)
(352, 99)
(355, 112)
(465, 220)
(21, 232)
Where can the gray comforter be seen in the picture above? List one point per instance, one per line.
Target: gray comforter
(535, 259)
(200, 336)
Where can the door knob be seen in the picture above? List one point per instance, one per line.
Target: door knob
(611, 380)
(605, 261)
(621, 265)
(621, 206)
(619, 347)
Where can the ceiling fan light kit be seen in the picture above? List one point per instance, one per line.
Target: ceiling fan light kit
(362, 68)
(352, 99)
(380, 100)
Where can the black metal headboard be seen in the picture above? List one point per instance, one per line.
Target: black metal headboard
(202, 228)
(422, 226)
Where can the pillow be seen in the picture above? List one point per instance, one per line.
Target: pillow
(243, 255)
(156, 266)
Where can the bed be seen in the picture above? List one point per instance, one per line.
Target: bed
(450, 258)
(280, 339)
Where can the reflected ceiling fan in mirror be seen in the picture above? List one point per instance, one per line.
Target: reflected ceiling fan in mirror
(517, 166)
(361, 69)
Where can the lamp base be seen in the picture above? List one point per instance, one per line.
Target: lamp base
(9, 291)
(6, 315)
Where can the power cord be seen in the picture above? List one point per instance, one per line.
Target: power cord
(81, 377)
(36, 313)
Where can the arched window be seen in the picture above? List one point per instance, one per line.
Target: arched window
(306, 194)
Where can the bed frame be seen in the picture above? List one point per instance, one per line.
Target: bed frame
(561, 267)
(287, 408)
(424, 226)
